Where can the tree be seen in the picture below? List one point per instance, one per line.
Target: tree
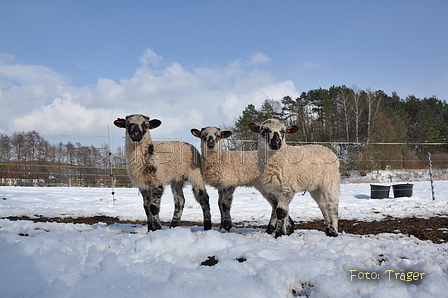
(355, 107)
(373, 104)
(270, 109)
(5, 148)
(18, 147)
(324, 108)
(298, 112)
(343, 100)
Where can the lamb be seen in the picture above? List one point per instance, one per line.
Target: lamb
(225, 170)
(286, 170)
(152, 165)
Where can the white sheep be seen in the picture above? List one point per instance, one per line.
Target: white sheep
(286, 170)
(152, 165)
(225, 170)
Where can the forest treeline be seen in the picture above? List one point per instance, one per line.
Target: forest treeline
(369, 130)
(26, 158)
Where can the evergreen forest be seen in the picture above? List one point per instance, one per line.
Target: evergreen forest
(369, 130)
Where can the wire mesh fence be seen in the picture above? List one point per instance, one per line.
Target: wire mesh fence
(365, 161)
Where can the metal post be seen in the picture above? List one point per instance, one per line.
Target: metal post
(112, 178)
(430, 175)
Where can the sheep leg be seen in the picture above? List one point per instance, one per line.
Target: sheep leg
(179, 202)
(271, 198)
(147, 194)
(273, 221)
(332, 226)
(332, 216)
(202, 198)
(151, 203)
(225, 202)
(329, 210)
(285, 225)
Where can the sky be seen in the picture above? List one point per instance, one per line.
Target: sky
(68, 69)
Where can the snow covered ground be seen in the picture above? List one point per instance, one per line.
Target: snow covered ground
(122, 260)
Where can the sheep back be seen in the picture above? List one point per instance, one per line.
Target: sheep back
(223, 168)
(300, 168)
(158, 163)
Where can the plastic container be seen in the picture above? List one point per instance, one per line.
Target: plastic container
(379, 191)
(402, 190)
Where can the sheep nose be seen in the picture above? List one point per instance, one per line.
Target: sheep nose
(276, 139)
(211, 143)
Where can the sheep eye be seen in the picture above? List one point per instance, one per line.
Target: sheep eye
(265, 131)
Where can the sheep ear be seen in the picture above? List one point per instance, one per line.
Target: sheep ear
(120, 122)
(225, 134)
(196, 132)
(255, 127)
(292, 129)
(154, 123)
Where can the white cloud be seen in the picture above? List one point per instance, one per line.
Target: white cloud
(42, 100)
(149, 57)
(6, 58)
(62, 115)
(279, 90)
(24, 88)
(310, 64)
(30, 73)
(236, 63)
(259, 57)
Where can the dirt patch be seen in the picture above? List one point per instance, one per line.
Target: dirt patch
(211, 261)
(434, 229)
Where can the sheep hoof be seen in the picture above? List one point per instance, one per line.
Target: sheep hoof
(290, 228)
(207, 225)
(225, 227)
(154, 227)
(270, 229)
(279, 234)
(331, 232)
(175, 224)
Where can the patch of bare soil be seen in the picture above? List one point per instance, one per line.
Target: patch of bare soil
(434, 229)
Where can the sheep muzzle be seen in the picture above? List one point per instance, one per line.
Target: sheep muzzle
(136, 134)
(276, 142)
(211, 143)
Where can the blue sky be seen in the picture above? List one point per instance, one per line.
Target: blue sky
(69, 68)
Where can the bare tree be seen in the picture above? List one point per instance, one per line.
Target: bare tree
(355, 107)
(5, 148)
(344, 98)
(373, 104)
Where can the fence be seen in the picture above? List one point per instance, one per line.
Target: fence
(359, 162)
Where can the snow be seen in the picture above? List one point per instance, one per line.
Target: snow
(122, 260)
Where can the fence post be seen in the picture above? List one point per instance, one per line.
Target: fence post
(112, 178)
(430, 175)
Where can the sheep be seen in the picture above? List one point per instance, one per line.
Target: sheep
(225, 170)
(152, 165)
(286, 170)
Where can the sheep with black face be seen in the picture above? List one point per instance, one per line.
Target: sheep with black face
(152, 165)
(286, 170)
(226, 170)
